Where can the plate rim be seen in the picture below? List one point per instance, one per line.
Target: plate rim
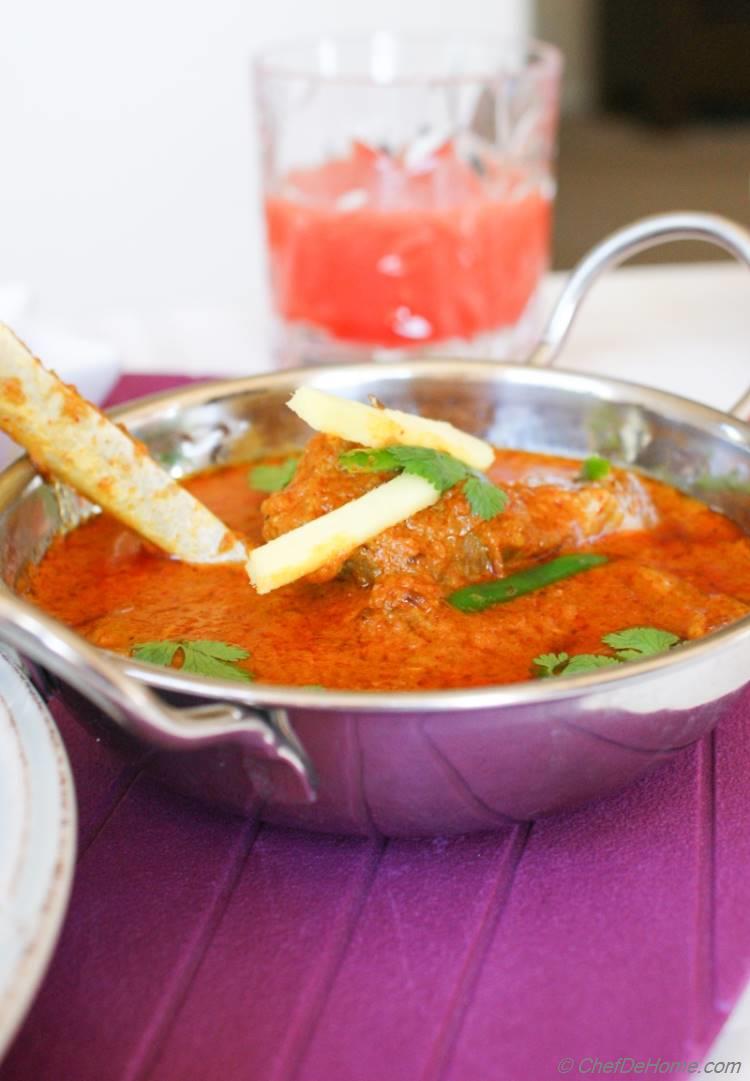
(18, 986)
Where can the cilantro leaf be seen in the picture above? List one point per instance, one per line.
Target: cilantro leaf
(440, 470)
(549, 663)
(204, 657)
(558, 664)
(595, 468)
(635, 642)
(485, 498)
(205, 664)
(631, 644)
(155, 652)
(587, 662)
(223, 651)
(368, 461)
(272, 478)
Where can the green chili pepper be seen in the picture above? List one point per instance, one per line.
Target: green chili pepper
(484, 594)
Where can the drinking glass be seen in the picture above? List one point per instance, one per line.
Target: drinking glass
(408, 188)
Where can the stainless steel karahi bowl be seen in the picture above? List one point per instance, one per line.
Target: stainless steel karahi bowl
(411, 763)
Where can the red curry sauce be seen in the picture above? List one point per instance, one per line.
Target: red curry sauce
(690, 574)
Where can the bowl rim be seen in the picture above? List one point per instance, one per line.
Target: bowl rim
(278, 59)
(15, 480)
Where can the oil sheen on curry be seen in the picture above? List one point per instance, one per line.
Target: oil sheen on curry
(641, 567)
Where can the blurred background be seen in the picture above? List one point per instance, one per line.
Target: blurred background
(656, 115)
(129, 176)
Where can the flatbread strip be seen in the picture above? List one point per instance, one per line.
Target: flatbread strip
(309, 547)
(69, 438)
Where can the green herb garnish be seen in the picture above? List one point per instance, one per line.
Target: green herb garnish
(484, 498)
(273, 478)
(155, 652)
(202, 657)
(550, 664)
(441, 470)
(554, 664)
(637, 642)
(588, 662)
(595, 468)
(484, 594)
(632, 644)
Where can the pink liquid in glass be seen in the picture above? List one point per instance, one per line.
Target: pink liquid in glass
(396, 250)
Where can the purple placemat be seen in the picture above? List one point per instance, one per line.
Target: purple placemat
(200, 947)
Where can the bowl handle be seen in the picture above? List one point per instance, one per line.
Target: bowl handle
(140, 711)
(622, 245)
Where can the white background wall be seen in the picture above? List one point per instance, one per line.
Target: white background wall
(127, 169)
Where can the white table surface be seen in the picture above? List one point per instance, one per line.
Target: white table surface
(684, 328)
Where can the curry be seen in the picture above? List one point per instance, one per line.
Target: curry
(381, 617)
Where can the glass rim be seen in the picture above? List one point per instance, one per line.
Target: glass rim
(276, 59)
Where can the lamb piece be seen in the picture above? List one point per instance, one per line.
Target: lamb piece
(447, 544)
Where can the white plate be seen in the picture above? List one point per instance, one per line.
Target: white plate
(37, 842)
